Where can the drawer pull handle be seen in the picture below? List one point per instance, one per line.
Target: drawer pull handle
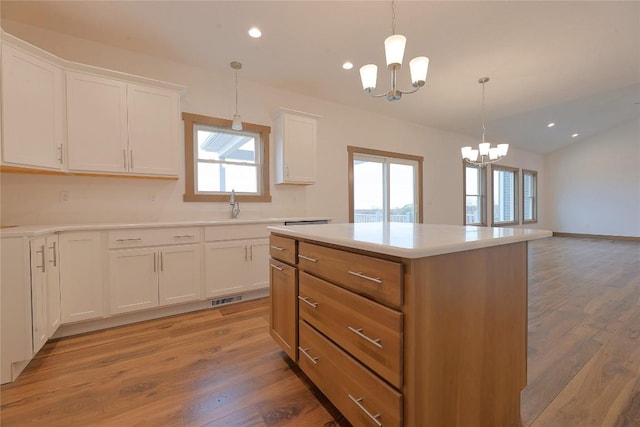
(314, 360)
(129, 240)
(183, 236)
(306, 299)
(307, 258)
(277, 248)
(364, 276)
(374, 418)
(359, 333)
(276, 267)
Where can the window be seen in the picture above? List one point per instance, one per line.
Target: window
(504, 195)
(219, 159)
(529, 196)
(475, 185)
(384, 186)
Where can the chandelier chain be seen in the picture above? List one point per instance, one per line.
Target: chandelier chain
(393, 17)
(483, 116)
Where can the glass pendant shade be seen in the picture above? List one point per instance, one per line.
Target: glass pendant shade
(493, 153)
(419, 67)
(473, 156)
(236, 124)
(394, 49)
(369, 76)
(503, 149)
(484, 148)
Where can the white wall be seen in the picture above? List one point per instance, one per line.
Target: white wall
(31, 199)
(596, 184)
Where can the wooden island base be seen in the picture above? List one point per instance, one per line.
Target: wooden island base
(461, 337)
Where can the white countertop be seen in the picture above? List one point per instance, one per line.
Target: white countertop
(410, 240)
(38, 230)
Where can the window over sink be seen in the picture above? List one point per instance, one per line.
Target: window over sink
(219, 160)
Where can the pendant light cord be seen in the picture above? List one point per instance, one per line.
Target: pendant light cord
(483, 127)
(393, 17)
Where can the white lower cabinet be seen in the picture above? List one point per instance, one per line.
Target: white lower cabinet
(144, 278)
(81, 285)
(236, 266)
(38, 293)
(52, 256)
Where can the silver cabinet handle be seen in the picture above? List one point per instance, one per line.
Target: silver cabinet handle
(131, 158)
(245, 254)
(307, 258)
(276, 267)
(364, 276)
(41, 252)
(60, 151)
(251, 253)
(359, 333)
(314, 360)
(154, 263)
(183, 236)
(277, 248)
(124, 157)
(161, 261)
(306, 299)
(55, 255)
(374, 418)
(137, 239)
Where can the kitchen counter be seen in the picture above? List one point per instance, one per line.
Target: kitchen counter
(410, 240)
(37, 230)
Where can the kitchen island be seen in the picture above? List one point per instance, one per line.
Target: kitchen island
(406, 324)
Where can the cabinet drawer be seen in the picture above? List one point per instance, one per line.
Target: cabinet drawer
(214, 233)
(370, 332)
(377, 278)
(153, 236)
(356, 392)
(283, 248)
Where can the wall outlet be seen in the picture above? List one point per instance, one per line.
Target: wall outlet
(65, 197)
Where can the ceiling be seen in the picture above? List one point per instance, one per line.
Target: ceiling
(574, 63)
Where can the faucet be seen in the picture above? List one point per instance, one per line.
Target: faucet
(235, 210)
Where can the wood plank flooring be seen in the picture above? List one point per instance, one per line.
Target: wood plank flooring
(220, 367)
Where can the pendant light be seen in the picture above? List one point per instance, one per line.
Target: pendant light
(485, 154)
(237, 121)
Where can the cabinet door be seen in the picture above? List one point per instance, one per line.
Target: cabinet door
(133, 279)
(81, 292)
(32, 110)
(259, 257)
(53, 284)
(180, 279)
(154, 130)
(96, 123)
(283, 321)
(298, 149)
(227, 267)
(38, 293)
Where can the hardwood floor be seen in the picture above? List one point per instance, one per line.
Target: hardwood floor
(220, 367)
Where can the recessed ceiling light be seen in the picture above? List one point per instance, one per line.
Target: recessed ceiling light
(574, 135)
(347, 65)
(255, 32)
(550, 125)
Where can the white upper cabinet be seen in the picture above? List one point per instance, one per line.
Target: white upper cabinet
(96, 123)
(154, 130)
(296, 148)
(115, 126)
(32, 110)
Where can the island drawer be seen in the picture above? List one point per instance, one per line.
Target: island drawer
(360, 396)
(374, 277)
(283, 249)
(370, 332)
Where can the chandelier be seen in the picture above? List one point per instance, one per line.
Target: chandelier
(394, 51)
(236, 124)
(485, 154)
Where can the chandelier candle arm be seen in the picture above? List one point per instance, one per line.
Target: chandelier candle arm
(485, 154)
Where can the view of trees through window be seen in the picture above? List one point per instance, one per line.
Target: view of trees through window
(505, 190)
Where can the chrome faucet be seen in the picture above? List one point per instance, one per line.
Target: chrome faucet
(235, 210)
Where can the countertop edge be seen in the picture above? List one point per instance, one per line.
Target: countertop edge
(419, 252)
(39, 230)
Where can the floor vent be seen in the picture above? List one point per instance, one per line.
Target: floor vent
(227, 300)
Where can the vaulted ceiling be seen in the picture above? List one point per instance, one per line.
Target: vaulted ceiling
(574, 63)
